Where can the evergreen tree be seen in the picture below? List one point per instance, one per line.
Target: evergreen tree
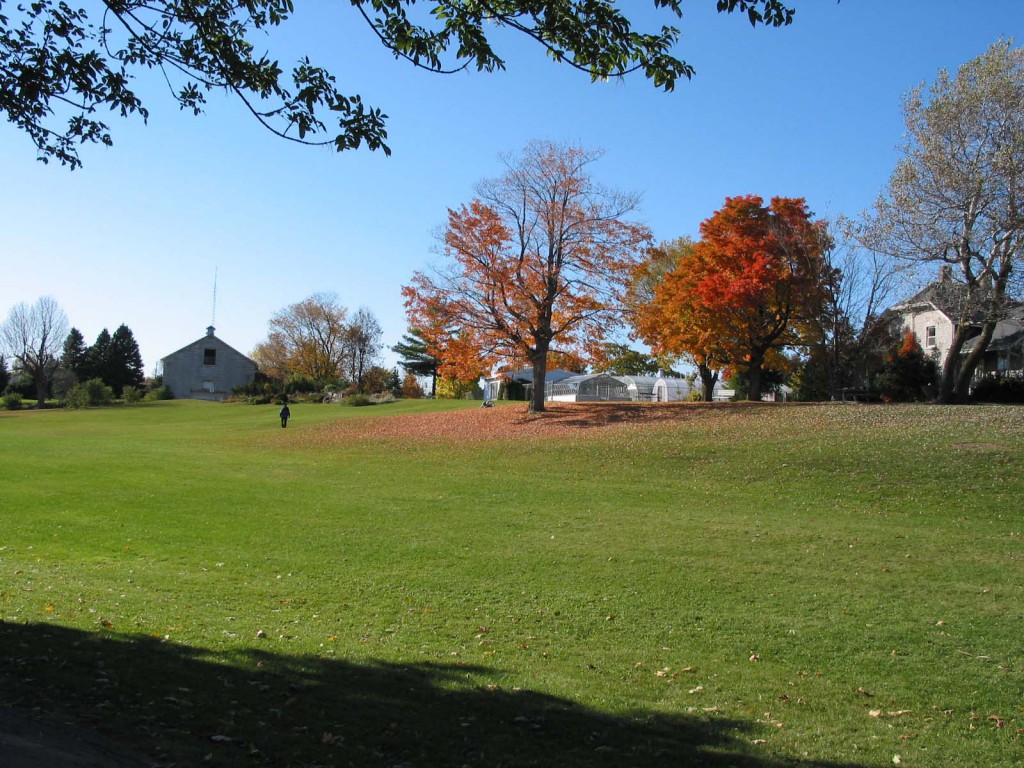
(5, 374)
(97, 358)
(416, 360)
(124, 362)
(75, 355)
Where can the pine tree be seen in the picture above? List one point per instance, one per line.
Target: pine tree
(416, 360)
(124, 362)
(75, 355)
(97, 356)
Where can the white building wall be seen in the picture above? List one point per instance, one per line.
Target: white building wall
(936, 343)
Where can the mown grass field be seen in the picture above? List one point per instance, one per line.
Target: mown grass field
(833, 585)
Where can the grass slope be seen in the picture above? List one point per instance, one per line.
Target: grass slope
(825, 585)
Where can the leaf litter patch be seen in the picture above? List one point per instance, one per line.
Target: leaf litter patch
(516, 423)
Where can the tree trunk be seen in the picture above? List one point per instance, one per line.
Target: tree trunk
(962, 382)
(41, 389)
(754, 378)
(955, 377)
(754, 384)
(540, 372)
(708, 379)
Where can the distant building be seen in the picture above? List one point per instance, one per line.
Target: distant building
(587, 388)
(517, 384)
(206, 369)
(934, 313)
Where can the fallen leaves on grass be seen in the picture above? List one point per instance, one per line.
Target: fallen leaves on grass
(515, 423)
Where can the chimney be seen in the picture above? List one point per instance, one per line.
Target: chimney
(945, 273)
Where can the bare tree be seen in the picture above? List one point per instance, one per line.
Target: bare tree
(362, 346)
(33, 338)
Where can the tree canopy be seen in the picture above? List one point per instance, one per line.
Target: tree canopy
(317, 339)
(537, 258)
(62, 67)
(956, 196)
(747, 290)
(306, 338)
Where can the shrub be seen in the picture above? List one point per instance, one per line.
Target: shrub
(357, 400)
(91, 392)
(300, 384)
(453, 389)
(13, 401)
(162, 392)
(131, 394)
(999, 388)
(908, 374)
(23, 386)
(261, 384)
(411, 387)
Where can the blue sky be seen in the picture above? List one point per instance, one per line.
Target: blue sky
(135, 237)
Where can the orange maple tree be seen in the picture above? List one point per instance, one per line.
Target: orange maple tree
(538, 258)
(745, 292)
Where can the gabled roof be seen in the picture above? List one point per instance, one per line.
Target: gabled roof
(947, 295)
(203, 339)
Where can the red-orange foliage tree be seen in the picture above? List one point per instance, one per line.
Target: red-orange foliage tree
(538, 258)
(748, 289)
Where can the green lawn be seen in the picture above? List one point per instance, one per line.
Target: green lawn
(833, 585)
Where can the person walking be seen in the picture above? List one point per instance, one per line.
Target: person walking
(285, 414)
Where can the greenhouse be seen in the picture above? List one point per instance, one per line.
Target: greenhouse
(670, 390)
(590, 388)
(640, 388)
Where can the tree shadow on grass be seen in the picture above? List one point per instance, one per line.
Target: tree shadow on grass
(176, 705)
(606, 414)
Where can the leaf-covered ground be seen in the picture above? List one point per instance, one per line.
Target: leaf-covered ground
(515, 422)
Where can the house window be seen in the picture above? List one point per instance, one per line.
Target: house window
(929, 336)
(209, 356)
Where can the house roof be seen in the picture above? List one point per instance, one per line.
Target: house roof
(202, 339)
(947, 295)
(1008, 333)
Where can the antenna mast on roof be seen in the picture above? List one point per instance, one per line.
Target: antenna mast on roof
(213, 320)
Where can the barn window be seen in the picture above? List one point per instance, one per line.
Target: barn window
(209, 356)
(929, 336)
